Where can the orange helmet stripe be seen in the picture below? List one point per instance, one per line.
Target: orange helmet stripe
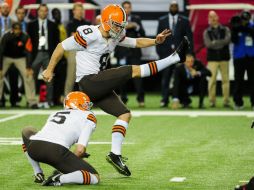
(124, 14)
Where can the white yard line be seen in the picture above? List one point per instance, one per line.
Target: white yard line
(177, 179)
(17, 141)
(12, 117)
(138, 113)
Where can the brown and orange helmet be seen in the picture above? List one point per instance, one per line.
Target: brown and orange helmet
(77, 100)
(113, 20)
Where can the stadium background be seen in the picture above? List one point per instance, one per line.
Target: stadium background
(150, 11)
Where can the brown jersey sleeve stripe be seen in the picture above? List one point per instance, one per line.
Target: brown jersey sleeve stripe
(80, 40)
(92, 118)
(80, 37)
(77, 38)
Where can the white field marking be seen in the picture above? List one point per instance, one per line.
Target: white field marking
(243, 181)
(18, 141)
(12, 117)
(138, 113)
(177, 179)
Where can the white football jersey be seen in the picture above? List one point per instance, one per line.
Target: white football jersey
(67, 127)
(92, 49)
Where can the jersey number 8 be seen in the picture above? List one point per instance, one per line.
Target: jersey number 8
(87, 31)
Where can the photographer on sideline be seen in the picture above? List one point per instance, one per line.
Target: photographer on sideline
(243, 55)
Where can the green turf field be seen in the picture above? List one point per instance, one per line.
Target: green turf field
(152, 102)
(212, 152)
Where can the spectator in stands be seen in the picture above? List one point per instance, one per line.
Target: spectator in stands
(16, 48)
(216, 39)
(189, 77)
(21, 14)
(180, 26)
(243, 57)
(12, 73)
(60, 72)
(97, 20)
(131, 56)
(45, 37)
(78, 20)
(56, 14)
(6, 21)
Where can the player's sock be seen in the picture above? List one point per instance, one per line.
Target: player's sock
(154, 67)
(36, 166)
(118, 134)
(79, 177)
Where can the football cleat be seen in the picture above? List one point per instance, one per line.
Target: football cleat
(39, 178)
(182, 49)
(248, 186)
(119, 163)
(53, 180)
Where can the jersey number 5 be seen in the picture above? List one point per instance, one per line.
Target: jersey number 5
(60, 117)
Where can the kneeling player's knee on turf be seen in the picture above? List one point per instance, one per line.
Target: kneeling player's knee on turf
(29, 131)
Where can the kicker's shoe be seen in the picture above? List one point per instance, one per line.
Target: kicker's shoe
(39, 178)
(248, 186)
(53, 180)
(182, 49)
(119, 163)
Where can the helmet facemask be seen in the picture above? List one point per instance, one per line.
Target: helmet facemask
(87, 105)
(116, 28)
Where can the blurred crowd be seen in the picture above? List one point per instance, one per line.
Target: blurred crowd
(26, 48)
